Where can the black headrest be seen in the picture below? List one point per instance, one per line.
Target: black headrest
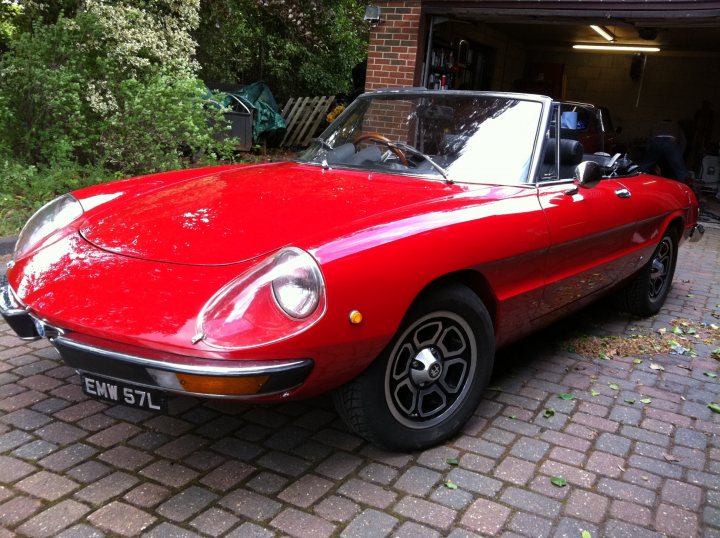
(571, 151)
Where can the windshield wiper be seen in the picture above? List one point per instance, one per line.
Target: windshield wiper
(415, 151)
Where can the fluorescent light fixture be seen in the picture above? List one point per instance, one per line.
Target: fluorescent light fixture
(617, 48)
(607, 35)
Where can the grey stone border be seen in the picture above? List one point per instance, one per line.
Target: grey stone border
(7, 244)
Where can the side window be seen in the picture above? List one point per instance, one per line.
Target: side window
(561, 154)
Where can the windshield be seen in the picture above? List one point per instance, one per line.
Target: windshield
(448, 135)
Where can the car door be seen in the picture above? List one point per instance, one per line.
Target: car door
(591, 230)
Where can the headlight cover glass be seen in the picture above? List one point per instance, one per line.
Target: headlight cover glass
(49, 218)
(278, 298)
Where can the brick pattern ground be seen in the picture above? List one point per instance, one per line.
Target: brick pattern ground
(70, 466)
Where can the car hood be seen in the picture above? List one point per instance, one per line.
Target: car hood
(233, 215)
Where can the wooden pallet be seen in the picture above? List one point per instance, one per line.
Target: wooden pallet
(302, 116)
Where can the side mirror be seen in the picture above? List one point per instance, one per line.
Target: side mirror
(588, 174)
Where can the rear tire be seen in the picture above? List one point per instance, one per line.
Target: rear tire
(428, 382)
(646, 293)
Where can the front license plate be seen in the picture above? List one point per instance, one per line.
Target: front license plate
(124, 393)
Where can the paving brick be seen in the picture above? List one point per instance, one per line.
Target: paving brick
(81, 530)
(515, 470)
(113, 435)
(336, 508)
(250, 530)
(186, 504)
(606, 464)
(68, 457)
(682, 494)
(21, 400)
(14, 439)
(480, 446)
(675, 521)
(425, 512)
(339, 465)
(169, 474)
(267, 483)
(417, 481)
(338, 439)
(531, 502)
(125, 457)
(76, 412)
(305, 491)
(169, 425)
(631, 513)
(378, 473)
(691, 438)
(586, 506)
(474, 462)
(250, 505)
(475, 482)
(25, 419)
(51, 521)
(529, 449)
(302, 524)
(228, 475)
(436, 458)
(214, 522)
(121, 518)
(88, 472)
(626, 492)
(45, 485)
(595, 422)
(17, 509)
(624, 414)
(523, 522)
(572, 528)
(34, 450)
(567, 441)
(613, 444)
(235, 448)
(370, 523)
(485, 517)
(366, 493)
(204, 460)
(573, 475)
(106, 488)
(147, 495)
(456, 499)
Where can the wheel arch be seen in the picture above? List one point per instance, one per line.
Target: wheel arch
(474, 280)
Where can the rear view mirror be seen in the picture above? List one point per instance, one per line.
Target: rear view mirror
(588, 174)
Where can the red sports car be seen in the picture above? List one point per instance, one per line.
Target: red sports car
(422, 230)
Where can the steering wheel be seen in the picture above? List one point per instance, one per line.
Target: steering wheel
(383, 140)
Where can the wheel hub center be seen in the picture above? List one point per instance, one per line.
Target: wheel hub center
(426, 367)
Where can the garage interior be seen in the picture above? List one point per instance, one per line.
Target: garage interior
(485, 47)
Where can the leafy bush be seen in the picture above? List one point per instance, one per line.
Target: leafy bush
(112, 87)
(24, 189)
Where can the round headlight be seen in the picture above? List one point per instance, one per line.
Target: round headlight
(298, 284)
(48, 219)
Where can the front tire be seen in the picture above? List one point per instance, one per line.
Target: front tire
(428, 382)
(646, 293)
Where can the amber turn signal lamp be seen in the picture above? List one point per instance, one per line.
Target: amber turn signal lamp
(355, 317)
(232, 386)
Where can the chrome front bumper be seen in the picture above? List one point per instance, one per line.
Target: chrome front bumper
(16, 315)
(194, 376)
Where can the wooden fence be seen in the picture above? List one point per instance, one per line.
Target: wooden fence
(303, 116)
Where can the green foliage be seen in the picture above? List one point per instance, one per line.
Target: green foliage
(299, 47)
(10, 19)
(24, 189)
(113, 86)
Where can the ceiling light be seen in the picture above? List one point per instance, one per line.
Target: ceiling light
(617, 48)
(604, 32)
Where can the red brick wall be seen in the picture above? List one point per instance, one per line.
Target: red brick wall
(393, 50)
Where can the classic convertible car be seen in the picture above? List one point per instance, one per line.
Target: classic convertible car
(421, 231)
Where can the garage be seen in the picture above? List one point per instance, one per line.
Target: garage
(643, 61)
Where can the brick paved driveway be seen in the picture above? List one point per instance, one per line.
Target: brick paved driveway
(70, 466)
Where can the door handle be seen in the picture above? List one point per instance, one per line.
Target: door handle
(623, 193)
